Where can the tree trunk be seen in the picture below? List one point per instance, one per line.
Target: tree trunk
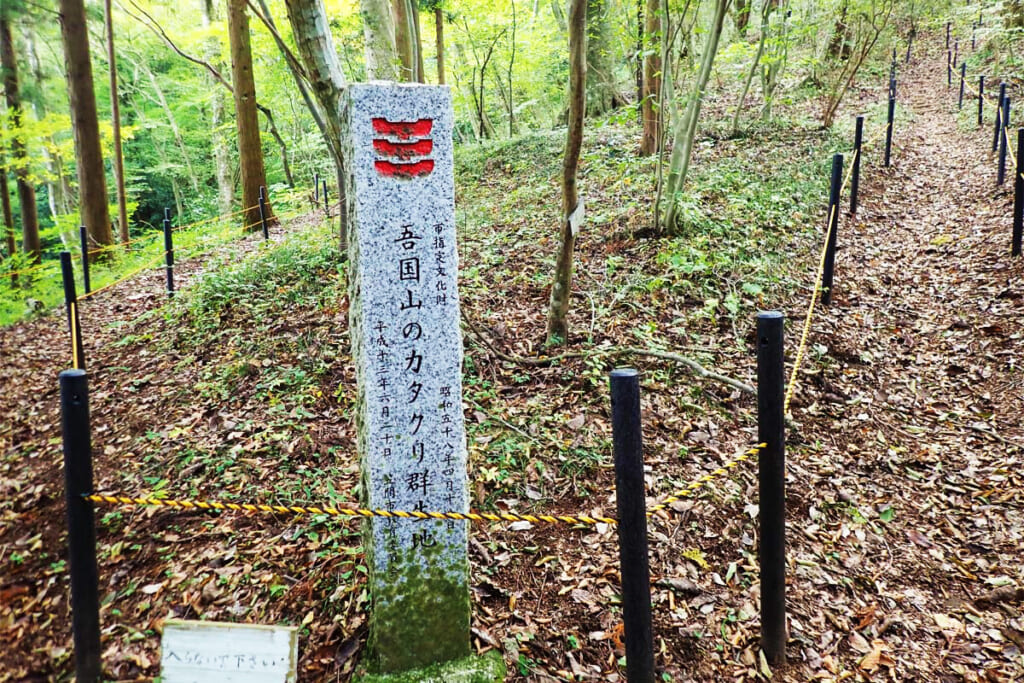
(379, 37)
(652, 79)
(417, 41)
(5, 199)
(250, 149)
(743, 8)
(766, 15)
(59, 193)
(26, 191)
(92, 182)
(313, 40)
(439, 33)
(221, 155)
(601, 94)
(405, 40)
(561, 288)
(115, 119)
(686, 127)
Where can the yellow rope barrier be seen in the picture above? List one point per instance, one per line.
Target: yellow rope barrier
(123, 278)
(351, 511)
(76, 361)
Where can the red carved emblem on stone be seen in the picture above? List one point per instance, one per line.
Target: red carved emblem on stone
(409, 157)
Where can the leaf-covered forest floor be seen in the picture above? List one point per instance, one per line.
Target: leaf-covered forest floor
(905, 519)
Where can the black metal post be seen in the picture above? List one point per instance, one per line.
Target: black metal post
(890, 118)
(949, 68)
(858, 143)
(947, 34)
(85, 603)
(1018, 196)
(832, 226)
(999, 115)
(263, 212)
(327, 206)
(956, 52)
(910, 43)
(316, 188)
(981, 100)
(84, 236)
(963, 75)
(169, 251)
(630, 494)
(71, 306)
(771, 431)
(1003, 135)
(974, 36)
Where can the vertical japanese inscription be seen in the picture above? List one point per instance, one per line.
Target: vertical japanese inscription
(407, 348)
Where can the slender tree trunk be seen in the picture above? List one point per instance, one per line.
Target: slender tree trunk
(743, 8)
(313, 40)
(766, 15)
(172, 121)
(379, 37)
(250, 149)
(405, 39)
(686, 127)
(26, 191)
(59, 194)
(439, 33)
(572, 209)
(5, 199)
(115, 119)
(417, 43)
(652, 79)
(602, 87)
(92, 182)
(221, 155)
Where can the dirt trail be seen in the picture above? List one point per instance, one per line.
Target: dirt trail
(913, 433)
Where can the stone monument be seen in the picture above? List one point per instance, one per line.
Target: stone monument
(407, 350)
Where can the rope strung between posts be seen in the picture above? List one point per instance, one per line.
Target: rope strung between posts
(351, 512)
(76, 362)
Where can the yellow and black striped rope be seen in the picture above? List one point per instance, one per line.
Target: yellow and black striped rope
(350, 511)
(693, 488)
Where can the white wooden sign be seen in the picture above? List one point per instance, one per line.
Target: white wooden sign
(208, 651)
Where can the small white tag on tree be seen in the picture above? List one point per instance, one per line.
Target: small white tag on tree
(576, 218)
(201, 651)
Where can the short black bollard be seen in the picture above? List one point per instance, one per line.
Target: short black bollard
(263, 212)
(832, 227)
(71, 305)
(169, 252)
(963, 76)
(1003, 141)
(949, 68)
(999, 116)
(956, 52)
(890, 119)
(910, 43)
(947, 34)
(84, 237)
(327, 206)
(1018, 196)
(316, 188)
(630, 495)
(858, 143)
(771, 431)
(85, 604)
(981, 101)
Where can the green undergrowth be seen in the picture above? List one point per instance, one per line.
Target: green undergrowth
(41, 289)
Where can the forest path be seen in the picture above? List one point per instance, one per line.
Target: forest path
(915, 428)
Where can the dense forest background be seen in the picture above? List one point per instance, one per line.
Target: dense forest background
(208, 101)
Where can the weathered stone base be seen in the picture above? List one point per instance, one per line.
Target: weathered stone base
(486, 668)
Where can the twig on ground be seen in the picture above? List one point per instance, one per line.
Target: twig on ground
(694, 367)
